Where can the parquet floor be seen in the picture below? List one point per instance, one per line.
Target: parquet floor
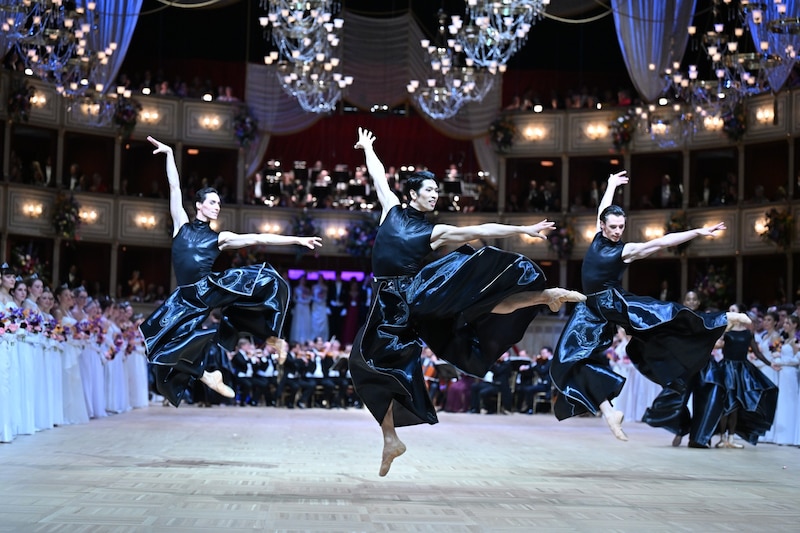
(231, 469)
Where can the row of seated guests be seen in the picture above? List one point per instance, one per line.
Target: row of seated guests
(511, 385)
(65, 358)
(312, 374)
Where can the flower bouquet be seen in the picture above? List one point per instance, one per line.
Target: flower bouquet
(622, 130)
(245, 127)
(561, 241)
(714, 287)
(778, 228)
(678, 222)
(734, 122)
(66, 216)
(19, 101)
(360, 237)
(125, 116)
(502, 132)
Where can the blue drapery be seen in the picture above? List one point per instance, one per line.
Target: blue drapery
(116, 22)
(652, 35)
(781, 44)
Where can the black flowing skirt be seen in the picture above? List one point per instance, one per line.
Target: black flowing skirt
(252, 299)
(669, 344)
(753, 394)
(447, 305)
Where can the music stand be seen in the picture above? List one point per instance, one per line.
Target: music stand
(356, 190)
(452, 187)
(320, 191)
(340, 176)
(301, 174)
(445, 371)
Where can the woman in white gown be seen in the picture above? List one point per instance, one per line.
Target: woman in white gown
(53, 354)
(30, 360)
(319, 309)
(638, 392)
(116, 382)
(785, 424)
(74, 401)
(7, 358)
(301, 313)
(93, 360)
(135, 358)
(769, 340)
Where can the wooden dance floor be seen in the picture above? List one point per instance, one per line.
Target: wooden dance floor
(232, 469)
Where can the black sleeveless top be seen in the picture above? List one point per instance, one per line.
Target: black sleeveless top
(603, 265)
(194, 250)
(737, 343)
(402, 243)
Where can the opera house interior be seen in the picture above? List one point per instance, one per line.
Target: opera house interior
(522, 109)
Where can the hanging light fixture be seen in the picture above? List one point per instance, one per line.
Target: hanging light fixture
(454, 78)
(495, 30)
(306, 34)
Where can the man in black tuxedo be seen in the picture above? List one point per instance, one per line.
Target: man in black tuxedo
(317, 368)
(497, 381)
(265, 378)
(541, 378)
(337, 303)
(667, 195)
(243, 367)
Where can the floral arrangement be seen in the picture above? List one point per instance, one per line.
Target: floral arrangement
(360, 237)
(734, 122)
(714, 287)
(66, 216)
(778, 228)
(502, 133)
(243, 257)
(26, 260)
(622, 130)
(125, 116)
(678, 221)
(19, 101)
(304, 225)
(245, 127)
(561, 241)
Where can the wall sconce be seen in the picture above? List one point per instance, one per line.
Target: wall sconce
(88, 216)
(589, 233)
(527, 239)
(659, 129)
(596, 130)
(149, 116)
(32, 210)
(765, 115)
(38, 100)
(270, 228)
(214, 225)
(146, 221)
(760, 225)
(534, 133)
(653, 232)
(210, 122)
(713, 123)
(336, 232)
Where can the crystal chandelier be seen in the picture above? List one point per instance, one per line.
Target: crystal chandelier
(307, 36)
(495, 30)
(775, 28)
(450, 83)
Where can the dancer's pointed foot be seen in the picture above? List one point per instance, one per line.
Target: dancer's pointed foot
(733, 444)
(737, 318)
(392, 449)
(557, 296)
(614, 421)
(213, 381)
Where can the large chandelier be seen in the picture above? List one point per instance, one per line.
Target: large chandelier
(453, 80)
(306, 34)
(495, 30)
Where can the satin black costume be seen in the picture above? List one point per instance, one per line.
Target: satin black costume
(446, 304)
(670, 343)
(747, 388)
(252, 299)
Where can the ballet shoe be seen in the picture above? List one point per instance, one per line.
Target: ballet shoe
(213, 380)
(676, 441)
(722, 442)
(559, 296)
(614, 422)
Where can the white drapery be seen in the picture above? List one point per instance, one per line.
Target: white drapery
(382, 55)
(652, 35)
(116, 21)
